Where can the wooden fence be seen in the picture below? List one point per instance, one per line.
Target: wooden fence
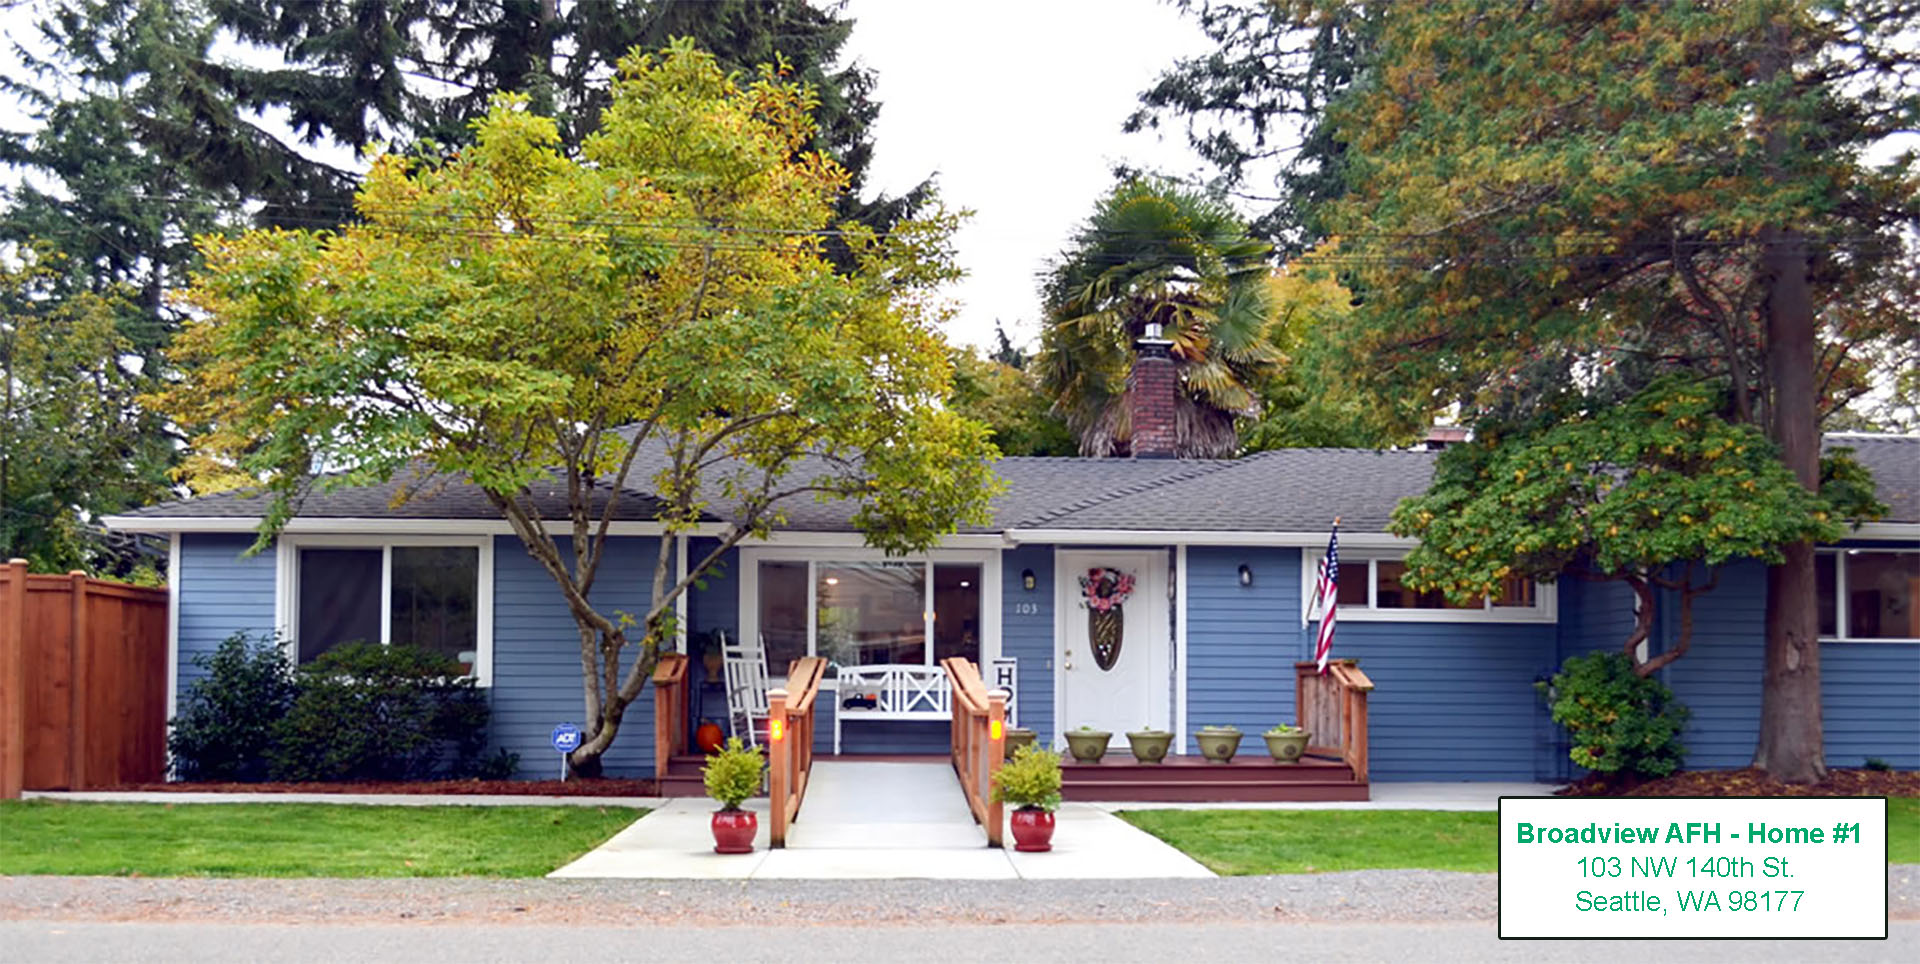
(83, 682)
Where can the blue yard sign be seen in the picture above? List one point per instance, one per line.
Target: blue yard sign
(566, 739)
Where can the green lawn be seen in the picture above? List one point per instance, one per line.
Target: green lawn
(1236, 842)
(297, 839)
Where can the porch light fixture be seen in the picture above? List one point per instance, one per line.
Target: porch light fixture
(1026, 579)
(1246, 575)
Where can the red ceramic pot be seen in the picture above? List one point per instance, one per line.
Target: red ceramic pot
(733, 831)
(1032, 830)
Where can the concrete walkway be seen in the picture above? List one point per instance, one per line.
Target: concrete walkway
(881, 820)
(358, 799)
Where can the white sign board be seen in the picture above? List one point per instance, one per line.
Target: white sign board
(1004, 674)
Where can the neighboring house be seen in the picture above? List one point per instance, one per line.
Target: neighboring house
(1221, 551)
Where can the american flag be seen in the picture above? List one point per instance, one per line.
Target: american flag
(1327, 594)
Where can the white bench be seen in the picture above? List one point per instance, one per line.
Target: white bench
(899, 692)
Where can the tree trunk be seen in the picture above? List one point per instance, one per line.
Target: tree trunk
(1791, 744)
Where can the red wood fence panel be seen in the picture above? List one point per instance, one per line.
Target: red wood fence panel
(83, 682)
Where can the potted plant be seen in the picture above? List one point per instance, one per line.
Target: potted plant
(1032, 784)
(712, 660)
(1218, 743)
(1286, 742)
(732, 775)
(1149, 745)
(1017, 738)
(1087, 744)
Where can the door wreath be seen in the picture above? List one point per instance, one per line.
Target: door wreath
(1102, 591)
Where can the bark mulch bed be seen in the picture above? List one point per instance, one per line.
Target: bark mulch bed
(1752, 782)
(457, 788)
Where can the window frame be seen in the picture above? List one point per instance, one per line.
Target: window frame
(748, 605)
(1840, 594)
(1544, 611)
(287, 587)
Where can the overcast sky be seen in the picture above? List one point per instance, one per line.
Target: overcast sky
(1017, 106)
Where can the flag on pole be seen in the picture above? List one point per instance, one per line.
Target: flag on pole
(1327, 594)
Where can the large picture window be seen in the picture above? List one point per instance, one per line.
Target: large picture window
(1373, 589)
(428, 595)
(865, 612)
(1868, 594)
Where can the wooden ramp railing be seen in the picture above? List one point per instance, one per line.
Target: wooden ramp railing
(669, 711)
(1334, 706)
(790, 740)
(979, 741)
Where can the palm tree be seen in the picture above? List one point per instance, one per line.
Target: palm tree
(1154, 253)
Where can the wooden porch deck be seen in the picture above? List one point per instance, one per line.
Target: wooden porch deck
(1319, 777)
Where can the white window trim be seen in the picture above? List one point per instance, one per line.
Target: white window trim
(1840, 596)
(1545, 608)
(749, 602)
(286, 606)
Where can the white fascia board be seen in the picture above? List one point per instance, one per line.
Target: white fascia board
(296, 526)
(855, 540)
(1884, 531)
(1162, 537)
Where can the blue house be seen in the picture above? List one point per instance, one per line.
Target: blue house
(1219, 555)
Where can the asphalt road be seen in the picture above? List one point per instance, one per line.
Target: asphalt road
(1107, 943)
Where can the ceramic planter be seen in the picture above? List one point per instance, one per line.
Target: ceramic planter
(1032, 830)
(1088, 746)
(1150, 746)
(1015, 739)
(1218, 745)
(1287, 747)
(733, 831)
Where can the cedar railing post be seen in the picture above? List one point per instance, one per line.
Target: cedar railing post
(996, 751)
(669, 711)
(778, 752)
(13, 678)
(79, 656)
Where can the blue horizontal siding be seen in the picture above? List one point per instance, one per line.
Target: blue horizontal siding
(537, 679)
(1242, 641)
(1028, 636)
(1868, 702)
(222, 592)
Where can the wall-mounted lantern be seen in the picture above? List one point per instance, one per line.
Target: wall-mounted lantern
(1027, 581)
(1246, 575)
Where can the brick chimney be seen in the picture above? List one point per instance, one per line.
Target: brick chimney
(1155, 383)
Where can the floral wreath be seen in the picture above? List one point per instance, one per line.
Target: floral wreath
(1103, 589)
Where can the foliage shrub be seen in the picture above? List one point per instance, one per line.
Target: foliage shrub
(1620, 723)
(371, 712)
(226, 725)
(734, 774)
(1030, 779)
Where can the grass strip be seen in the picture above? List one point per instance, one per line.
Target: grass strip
(1241, 842)
(297, 839)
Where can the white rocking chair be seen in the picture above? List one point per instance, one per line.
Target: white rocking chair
(747, 682)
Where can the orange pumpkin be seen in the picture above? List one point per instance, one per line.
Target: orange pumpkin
(709, 737)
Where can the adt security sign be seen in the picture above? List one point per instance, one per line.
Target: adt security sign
(566, 739)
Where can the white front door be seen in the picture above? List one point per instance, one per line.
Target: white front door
(1131, 691)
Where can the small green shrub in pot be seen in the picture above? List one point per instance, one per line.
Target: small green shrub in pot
(734, 774)
(1031, 780)
(1619, 722)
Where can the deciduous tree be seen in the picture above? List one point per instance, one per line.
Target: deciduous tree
(655, 316)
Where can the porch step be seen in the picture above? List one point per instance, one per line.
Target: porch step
(1125, 769)
(1195, 791)
(1192, 779)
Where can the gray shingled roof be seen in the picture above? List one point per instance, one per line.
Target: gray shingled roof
(430, 497)
(1894, 461)
(1290, 490)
